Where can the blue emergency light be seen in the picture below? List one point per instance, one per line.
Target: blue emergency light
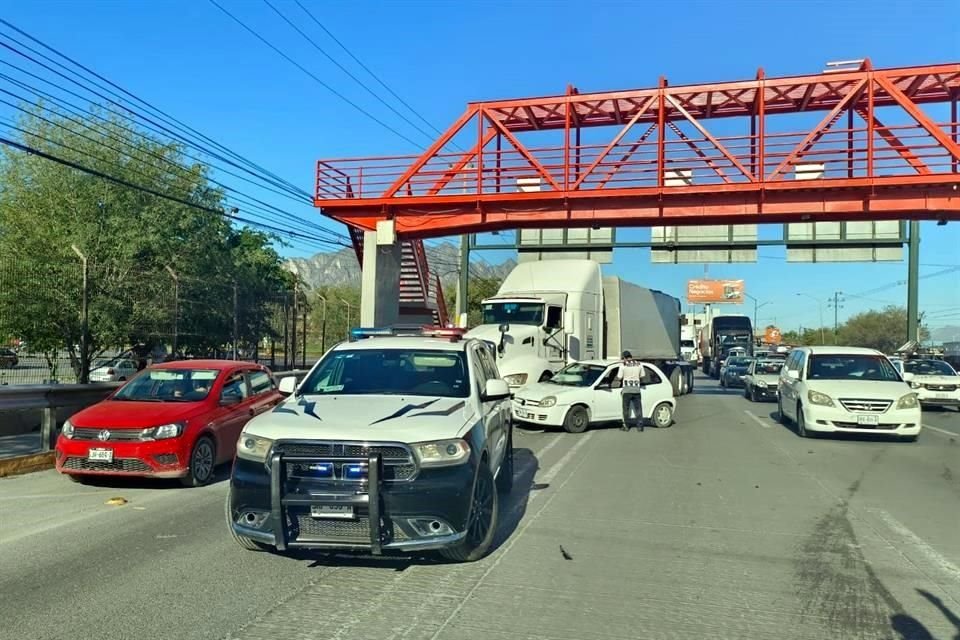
(453, 333)
(321, 470)
(354, 471)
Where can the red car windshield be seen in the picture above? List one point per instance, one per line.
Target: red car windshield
(169, 385)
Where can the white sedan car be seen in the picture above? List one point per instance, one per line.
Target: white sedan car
(935, 381)
(586, 393)
(116, 370)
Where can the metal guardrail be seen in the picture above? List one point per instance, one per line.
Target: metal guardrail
(50, 397)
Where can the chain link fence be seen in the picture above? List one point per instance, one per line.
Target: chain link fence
(67, 321)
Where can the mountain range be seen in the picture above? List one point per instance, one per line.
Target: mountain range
(342, 268)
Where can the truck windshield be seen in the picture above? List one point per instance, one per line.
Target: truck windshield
(411, 372)
(513, 313)
(578, 375)
(851, 367)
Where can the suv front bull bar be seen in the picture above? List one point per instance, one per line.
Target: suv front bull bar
(371, 499)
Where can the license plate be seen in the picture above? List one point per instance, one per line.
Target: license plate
(100, 455)
(868, 420)
(340, 512)
(524, 414)
(942, 396)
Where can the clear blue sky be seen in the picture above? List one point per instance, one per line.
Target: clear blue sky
(188, 58)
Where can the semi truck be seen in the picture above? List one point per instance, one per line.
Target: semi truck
(719, 336)
(549, 313)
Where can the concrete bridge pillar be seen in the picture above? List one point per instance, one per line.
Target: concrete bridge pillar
(379, 283)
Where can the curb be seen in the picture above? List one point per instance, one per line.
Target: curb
(26, 464)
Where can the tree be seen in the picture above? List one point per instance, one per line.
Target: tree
(478, 290)
(884, 330)
(130, 239)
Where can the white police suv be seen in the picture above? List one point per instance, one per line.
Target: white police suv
(398, 440)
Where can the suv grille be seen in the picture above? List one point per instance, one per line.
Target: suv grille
(398, 461)
(130, 465)
(305, 528)
(126, 435)
(865, 406)
(941, 387)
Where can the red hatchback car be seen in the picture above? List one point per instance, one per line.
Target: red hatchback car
(173, 420)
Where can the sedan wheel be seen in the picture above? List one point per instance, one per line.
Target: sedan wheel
(576, 421)
(202, 461)
(663, 415)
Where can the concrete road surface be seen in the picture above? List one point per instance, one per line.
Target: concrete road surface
(726, 525)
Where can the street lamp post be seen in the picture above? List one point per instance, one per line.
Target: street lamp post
(323, 325)
(84, 320)
(756, 307)
(823, 340)
(349, 308)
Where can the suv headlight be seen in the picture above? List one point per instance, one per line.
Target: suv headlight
(515, 379)
(908, 401)
(815, 397)
(761, 384)
(67, 430)
(916, 385)
(442, 453)
(162, 432)
(549, 401)
(253, 448)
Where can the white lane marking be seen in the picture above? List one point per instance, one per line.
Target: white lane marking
(503, 551)
(552, 472)
(934, 556)
(939, 430)
(538, 455)
(757, 419)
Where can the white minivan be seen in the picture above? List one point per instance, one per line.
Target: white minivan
(848, 390)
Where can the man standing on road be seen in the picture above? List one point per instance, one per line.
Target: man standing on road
(632, 377)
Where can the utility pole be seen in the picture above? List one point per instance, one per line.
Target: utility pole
(303, 338)
(84, 320)
(235, 313)
(176, 308)
(913, 282)
(836, 313)
(756, 307)
(463, 281)
(323, 325)
(293, 335)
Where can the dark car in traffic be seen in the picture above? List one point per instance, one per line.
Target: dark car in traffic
(734, 371)
(8, 359)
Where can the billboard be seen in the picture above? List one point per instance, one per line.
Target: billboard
(715, 291)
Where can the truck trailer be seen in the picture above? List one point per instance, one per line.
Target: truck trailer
(549, 313)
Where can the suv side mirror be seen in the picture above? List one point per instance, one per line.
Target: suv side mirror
(495, 389)
(793, 374)
(288, 384)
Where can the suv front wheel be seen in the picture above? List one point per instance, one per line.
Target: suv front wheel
(481, 522)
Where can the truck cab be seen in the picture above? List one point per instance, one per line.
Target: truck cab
(545, 315)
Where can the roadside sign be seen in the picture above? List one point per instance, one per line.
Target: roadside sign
(715, 291)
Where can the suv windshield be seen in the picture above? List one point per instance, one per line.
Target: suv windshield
(738, 362)
(851, 367)
(578, 375)
(169, 385)
(414, 372)
(929, 368)
(513, 313)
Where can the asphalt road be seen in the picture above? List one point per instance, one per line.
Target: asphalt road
(726, 525)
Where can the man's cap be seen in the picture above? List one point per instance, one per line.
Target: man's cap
(626, 354)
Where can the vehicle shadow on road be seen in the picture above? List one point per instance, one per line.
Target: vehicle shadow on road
(838, 437)
(716, 391)
(909, 628)
(510, 512)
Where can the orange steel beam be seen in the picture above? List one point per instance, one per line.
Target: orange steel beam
(856, 181)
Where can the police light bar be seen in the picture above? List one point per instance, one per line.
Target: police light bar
(359, 333)
(429, 331)
(454, 333)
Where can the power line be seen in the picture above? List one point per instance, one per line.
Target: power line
(120, 181)
(367, 69)
(164, 115)
(346, 71)
(313, 76)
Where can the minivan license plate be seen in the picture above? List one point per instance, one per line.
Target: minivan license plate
(100, 455)
(340, 512)
(868, 420)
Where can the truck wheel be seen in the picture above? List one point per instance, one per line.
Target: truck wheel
(577, 420)
(675, 382)
(481, 522)
(662, 415)
(690, 378)
(505, 475)
(706, 367)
